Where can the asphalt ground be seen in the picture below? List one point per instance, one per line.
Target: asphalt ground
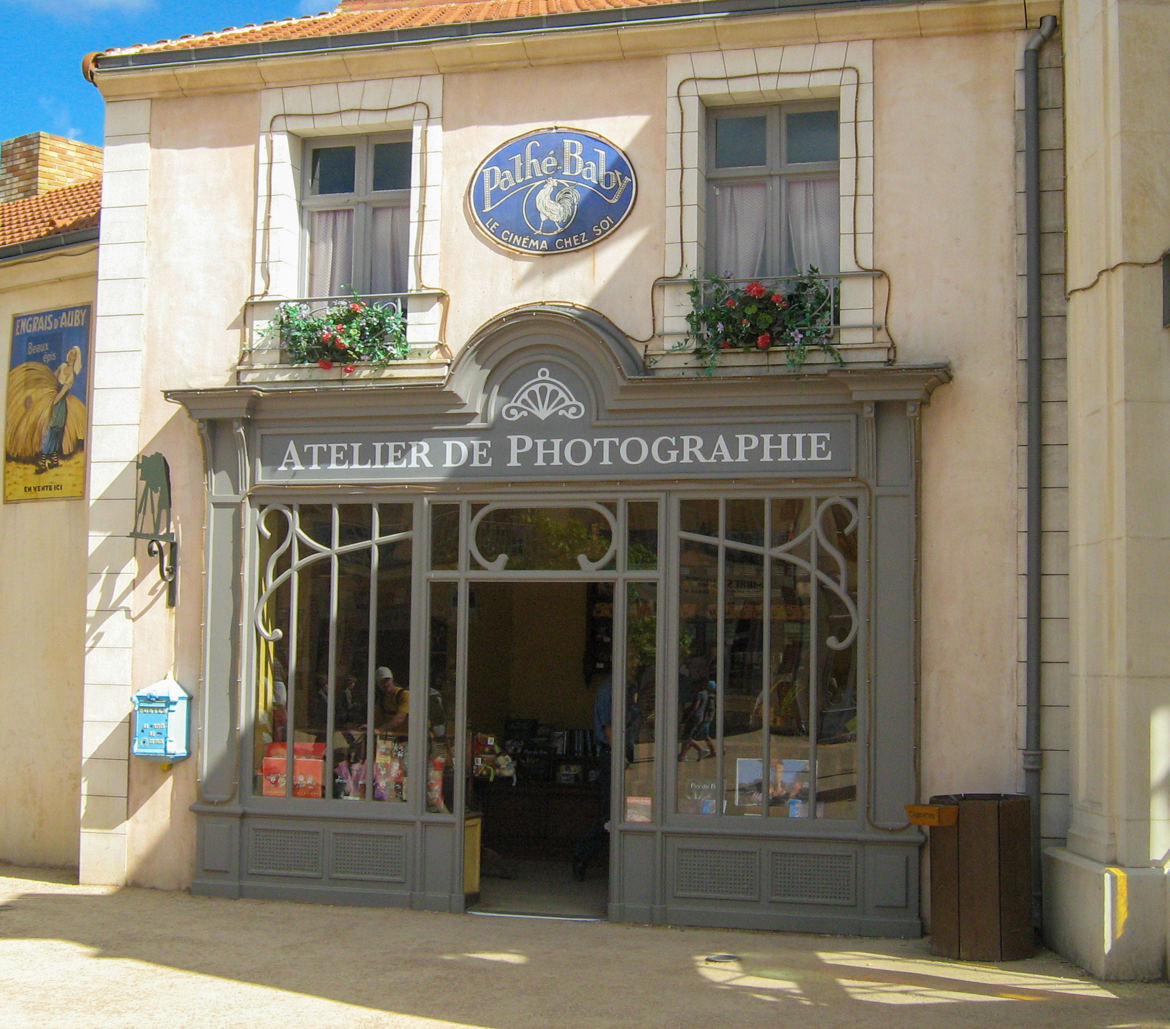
(80, 956)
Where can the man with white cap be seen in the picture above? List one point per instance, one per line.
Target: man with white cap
(393, 702)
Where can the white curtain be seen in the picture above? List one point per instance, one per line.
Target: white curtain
(389, 252)
(811, 232)
(330, 252)
(741, 211)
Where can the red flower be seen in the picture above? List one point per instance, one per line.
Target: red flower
(357, 307)
(764, 340)
(326, 336)
(339, 327)
(725, 345)
(755, 290)
(325, 363)
(731, 301)
(342, 345)
(349, 369)
(779, 299)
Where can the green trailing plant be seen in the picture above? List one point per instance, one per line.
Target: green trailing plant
(347, 333)
(795, 317)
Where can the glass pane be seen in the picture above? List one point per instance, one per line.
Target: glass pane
(269, 747)
(836, 765)
(551, 539)
(784, 710)
(745, 522)
(642, 518)
(698, 782)
(445, 537)
(741, 223)
(309, 671)
(330, 252)
(811, 237)
(350, 693)
(741, 141)
(392, 165)
(390, 249)
(441, 698)
(641, 677)
(699, 516)
(395, 518)
(742, 681)
(392, 675)
(790, 518)
(812, 136)
(332, 170)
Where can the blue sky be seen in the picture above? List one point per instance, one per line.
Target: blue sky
(45, 40)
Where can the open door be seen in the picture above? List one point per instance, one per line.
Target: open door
(538, 654)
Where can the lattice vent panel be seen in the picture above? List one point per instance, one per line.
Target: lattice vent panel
(285, 852)
(366, 856)
(717, 874)
(806, 878)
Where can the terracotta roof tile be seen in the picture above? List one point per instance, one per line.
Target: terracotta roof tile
(58, 211)
(353, 17)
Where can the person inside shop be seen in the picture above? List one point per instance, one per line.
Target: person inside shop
(393, 710)
(696, 717)
(591, 843)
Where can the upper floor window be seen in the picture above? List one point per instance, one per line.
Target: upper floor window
(773, 195)
(357, 214)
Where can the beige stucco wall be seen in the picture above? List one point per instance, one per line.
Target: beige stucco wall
(483, 110)
(200, 232)
(945, 232)
(42, 606)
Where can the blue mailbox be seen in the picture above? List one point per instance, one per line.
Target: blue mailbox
(162, 719)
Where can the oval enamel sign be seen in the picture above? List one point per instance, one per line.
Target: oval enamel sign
(551, 191)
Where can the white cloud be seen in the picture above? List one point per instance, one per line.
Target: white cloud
(59, 117)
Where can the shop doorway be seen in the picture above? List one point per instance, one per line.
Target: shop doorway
(537, 652)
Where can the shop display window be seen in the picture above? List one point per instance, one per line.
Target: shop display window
(332, 619)
(767, 695)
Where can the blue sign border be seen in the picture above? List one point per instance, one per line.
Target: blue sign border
(551, 191)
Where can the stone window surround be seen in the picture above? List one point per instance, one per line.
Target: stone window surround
(292, 113)
(777, 74)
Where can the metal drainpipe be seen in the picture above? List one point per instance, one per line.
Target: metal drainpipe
(1033, 756)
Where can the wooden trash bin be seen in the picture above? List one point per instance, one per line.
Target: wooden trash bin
(980, 875)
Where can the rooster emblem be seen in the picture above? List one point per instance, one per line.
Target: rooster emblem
(556, 205)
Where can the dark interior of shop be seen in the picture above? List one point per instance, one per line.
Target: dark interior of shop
(537, 651)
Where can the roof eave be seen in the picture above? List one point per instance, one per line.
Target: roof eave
(54, 241)
(688, 10)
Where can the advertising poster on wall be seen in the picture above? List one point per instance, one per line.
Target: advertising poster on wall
(47, 418)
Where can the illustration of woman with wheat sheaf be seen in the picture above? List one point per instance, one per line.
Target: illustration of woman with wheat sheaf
(46, 422)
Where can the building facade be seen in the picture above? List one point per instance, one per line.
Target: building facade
(727, 361)
(50, 200)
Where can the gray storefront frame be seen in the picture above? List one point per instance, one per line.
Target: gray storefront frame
(819, 875)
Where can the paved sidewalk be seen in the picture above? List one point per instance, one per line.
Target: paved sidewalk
(80, 956)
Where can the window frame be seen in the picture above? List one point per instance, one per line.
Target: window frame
(776, 174)
(363, 201)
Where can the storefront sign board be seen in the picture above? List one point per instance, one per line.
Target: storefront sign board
(542, 430)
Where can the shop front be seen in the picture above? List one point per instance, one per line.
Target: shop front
(420, 595)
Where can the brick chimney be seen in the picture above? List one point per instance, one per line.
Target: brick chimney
(39, 162)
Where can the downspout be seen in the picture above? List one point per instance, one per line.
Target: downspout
(1033, 755)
